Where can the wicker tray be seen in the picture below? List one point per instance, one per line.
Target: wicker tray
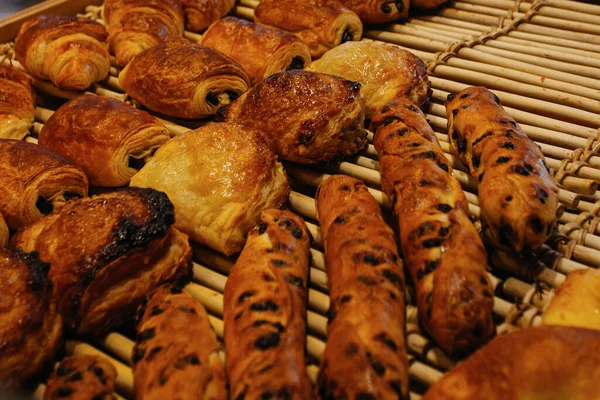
(542, 58)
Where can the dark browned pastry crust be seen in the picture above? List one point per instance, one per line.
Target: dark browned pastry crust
(17, 103)
(517, 193)
(82, 377)
(379, 11)
(265, 311)
(4, 232)
(365, 356)
(176, 351)
(442, 249)
(426, 3)
(199, 14)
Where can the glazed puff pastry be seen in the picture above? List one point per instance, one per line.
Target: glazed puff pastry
(321, 24)
(17, 103)
(35, 182)
(307, 117)
(220, 177)
(385, 71)
(261, 51)
(108, 139)
(82, 377)
(68, 51)
(137, 25)
(183, 79)
(379, 11)
(199, 14)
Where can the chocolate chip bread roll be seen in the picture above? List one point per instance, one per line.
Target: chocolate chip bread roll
(17, 103)
(82, 377)
(379, 11)
(176, 350)
(517, 194)
(442, 249)
(365, 356)
(265, 311)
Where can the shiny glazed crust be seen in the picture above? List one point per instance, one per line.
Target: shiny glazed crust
(365, 356)
(68, 51)
(199, 14)
(176, 350)
(442, 249)
(265, 311)
(107, 138)
(379, 11)
(517, 193)
(82, 377)
(17, 103)
(261, 51)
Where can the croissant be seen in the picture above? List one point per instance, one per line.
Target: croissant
(17, 103)
(199, 14)
(68, 51)
(137, 25)
(261, 51)
(379, 11)
(183, 79)
(107, 138)
(82, 377)
(35, 182)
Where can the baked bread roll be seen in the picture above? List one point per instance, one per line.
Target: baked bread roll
(442, 249)
(261, 51)
(137, 25)
(106, 253)
(425, 4)
(321, 24)
(265, 311)
(82, 377)
(545, 363)
(307, 117)
(385, 71)
(199, 14)
(183, 79)
(108, 139)
(379, 11)
(35, 182)
(176, 350)
(31, 328)
(219, 177)
(4, 233)
(68, 51)
(517, 194)
(17, 103)
(365, 356)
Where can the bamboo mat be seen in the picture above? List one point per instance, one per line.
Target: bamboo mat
(542, 58)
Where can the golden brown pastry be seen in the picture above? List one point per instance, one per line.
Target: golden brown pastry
(307, 117)
(176, 351)
(108, 139)
(106, 253)
(265, 311)
(4, 233)
(545, 363)
(219, 177)
(426, 3)
(261, 51)
(321, 24)
(183, 79)
(35, 182)
(365, 356)
(17, 103)
(379, 11)
(385, 71)
(68, 51)
(442, 249)
(576, 302)
(82, 377)
(137, 25)
(517, 193)
(31, 328)
(199, 14)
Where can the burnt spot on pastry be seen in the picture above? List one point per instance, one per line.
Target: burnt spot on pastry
(414, 144)
(268, 277)
(267, 305)
(63, 391)
(481, 138)
(503, 159)
(402, 132)
(393, 277)
(370, 259)
(145, 335)
(427, 154)
(345, 298)
(297, 233)
(138, 354)
(265, 342)
(536, 225)
(496, 99)
(262, 228)
(339, 220)
(425, 182)
(351, 349)
(464, 107)
(476, 161)
(528, 167)
(347, 36)
(366, 280)
(429, 243)
(445, 208)
(444, 231)
(388, 120)
(77, 376)
(296, 63)
(387, 340)
(44, 206)
(280, 263)
(294, 281)
(154, 351)
(443, 166)
(464, 95)
(245, 295)
(450, 97)
(385, 109)
(377, 365)
(508, 145)
(521, 170)
(156, 310)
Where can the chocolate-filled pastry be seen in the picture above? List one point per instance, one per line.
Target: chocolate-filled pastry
(17, 103)
(137, 25)
(219, 177)
(385, 71)
(321, 24)
(176, 350)
(82, 377)
(379, 11)
(4, 232)
(265, 311)
(108, 139)
(68, 51)
(35, 182)
(199, 14)
(106, 253)
(442, 249)
(365, 356)
(31, 328)
(517, 194)
(260, 50)
(307, 117)
(425, 4)
(545, 363)
(183, 79)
